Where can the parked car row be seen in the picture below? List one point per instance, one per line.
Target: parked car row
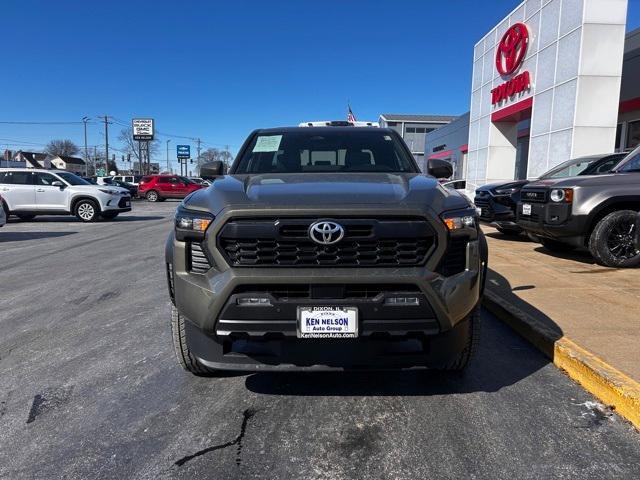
(590, 202)
(154, 188)
(157, 188)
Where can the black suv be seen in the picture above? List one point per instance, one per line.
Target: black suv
(325, 248)
(497, 201)
(597, 212)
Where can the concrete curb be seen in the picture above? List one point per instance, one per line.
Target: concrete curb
(595, 375)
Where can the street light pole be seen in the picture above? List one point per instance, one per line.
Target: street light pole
(168, 170)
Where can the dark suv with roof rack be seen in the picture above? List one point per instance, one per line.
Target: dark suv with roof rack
(325, 248)
(596, 212)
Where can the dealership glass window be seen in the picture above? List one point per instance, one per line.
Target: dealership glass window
(633, 134)
(618, 137)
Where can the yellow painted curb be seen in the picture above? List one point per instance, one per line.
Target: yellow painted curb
(599, 378)
(608, 384)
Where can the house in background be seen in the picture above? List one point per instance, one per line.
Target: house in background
(70, 164)
(44, 160)
(33, 159)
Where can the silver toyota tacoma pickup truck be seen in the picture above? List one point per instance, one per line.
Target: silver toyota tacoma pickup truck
(325, 248)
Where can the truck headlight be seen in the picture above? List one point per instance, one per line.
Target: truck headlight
(109, 191)
(460, 219)
(561, 195)
(191, 224)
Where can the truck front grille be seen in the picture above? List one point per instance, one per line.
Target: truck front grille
(455, 258)
(366, 243)
(537, 196)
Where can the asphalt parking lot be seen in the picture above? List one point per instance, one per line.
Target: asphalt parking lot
(89, 387)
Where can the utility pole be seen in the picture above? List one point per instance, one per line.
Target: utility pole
(106, 144)
(86, 150)
(198, 157)
(168, 170)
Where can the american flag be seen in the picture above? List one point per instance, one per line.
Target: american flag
(350, 116)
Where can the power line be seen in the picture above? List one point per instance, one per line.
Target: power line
(41, 123)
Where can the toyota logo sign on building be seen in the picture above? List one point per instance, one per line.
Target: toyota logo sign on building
(512, 49)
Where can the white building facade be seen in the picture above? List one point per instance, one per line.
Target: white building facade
(545, 88)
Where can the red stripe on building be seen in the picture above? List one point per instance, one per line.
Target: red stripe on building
(513, 112)
(464, 148)
(629, 105)
(446, 153)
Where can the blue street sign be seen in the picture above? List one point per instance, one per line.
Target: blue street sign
(183, 151)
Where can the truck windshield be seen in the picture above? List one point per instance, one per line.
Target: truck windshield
(316, 150)
(632, 164)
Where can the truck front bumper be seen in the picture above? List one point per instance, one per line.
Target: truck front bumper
(223, 334)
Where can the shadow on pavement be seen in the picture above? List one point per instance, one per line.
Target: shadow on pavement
(500, 286)
(135, 218)
(22, 236)
(521, 238)
(70, 219)
(503, 359)
(581, 256)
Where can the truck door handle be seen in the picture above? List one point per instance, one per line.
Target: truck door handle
(40, 190)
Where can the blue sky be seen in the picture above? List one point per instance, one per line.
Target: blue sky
(217, 70)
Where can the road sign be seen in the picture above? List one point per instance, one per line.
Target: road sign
(183, 151)
(142, 129)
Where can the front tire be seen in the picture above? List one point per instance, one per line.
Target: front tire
(152, 196)
(87, 211)
(460, 363)
(613, 241)
(181, 347)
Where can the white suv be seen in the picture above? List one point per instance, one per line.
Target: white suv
(132, 179)
(30, 192)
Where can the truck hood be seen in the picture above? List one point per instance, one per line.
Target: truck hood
(507, 184)
(300, 190)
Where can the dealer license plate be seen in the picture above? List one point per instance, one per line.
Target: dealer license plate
(526, 209)
(327, 322)
(127, 203)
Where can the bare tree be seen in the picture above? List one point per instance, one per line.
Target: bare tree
(213, 154)
(130, 147)
(61, 147)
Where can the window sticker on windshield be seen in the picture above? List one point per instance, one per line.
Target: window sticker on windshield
(269, 143)
(387, 138)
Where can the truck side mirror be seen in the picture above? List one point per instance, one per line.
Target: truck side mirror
(439, 168)
(57, 183)
(212, 170)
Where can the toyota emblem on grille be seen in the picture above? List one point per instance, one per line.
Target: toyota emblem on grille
(326, 233)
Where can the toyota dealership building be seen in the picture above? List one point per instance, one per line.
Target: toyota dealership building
(554, 80)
